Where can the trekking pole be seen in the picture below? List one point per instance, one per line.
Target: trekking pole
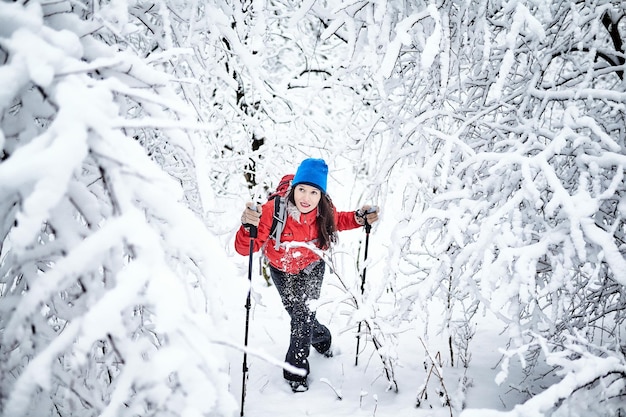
(368, 227)
(253, 234)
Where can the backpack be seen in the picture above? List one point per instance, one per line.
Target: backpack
(280, 208)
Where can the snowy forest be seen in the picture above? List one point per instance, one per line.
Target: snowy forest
(491, 133)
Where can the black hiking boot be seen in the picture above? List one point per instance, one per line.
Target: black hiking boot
(299, 386)
(328, 353)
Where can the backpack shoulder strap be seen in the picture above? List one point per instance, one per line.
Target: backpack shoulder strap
(280, 208)
(278, 220)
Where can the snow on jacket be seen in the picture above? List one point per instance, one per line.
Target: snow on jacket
(299, 228)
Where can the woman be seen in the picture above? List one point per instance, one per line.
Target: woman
(296, 268)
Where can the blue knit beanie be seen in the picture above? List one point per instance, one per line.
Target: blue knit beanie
(312, 172)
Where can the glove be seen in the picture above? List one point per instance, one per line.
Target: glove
(251, 215)
(368, 213)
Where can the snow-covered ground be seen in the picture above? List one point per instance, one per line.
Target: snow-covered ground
(364, 389)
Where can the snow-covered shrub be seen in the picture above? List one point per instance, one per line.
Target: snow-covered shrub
(99, 253)
(503, 132)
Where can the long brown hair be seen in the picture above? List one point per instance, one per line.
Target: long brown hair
(326, 226)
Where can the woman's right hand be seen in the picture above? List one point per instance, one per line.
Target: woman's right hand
(251, 215)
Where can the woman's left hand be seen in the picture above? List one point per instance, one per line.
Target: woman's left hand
(366, 214)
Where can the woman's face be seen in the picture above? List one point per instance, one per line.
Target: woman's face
(307, 197)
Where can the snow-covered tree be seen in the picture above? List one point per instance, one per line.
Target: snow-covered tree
(286, 94)
(100, 247)
(503, 129)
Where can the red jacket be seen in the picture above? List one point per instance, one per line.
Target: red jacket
(289, 257)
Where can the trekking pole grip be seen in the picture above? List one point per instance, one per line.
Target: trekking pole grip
(363, 214)
(252, 229)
